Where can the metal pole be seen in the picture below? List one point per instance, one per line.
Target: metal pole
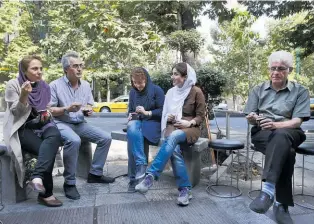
(227, 125)
(248, 137)
(248, 145)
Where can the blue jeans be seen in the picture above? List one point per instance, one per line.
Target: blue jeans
(136, 154)
(71, 135)
(170, 149)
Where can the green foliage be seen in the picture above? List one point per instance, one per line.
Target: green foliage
(162, 79)
(109, 45)
(238, 55)
(297, 35)
(15, 22)
(185, 40)
(165, 15)
(210, 81)
(170, 18)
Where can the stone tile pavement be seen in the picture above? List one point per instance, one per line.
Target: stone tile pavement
(110, 203)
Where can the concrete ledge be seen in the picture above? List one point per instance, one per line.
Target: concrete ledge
(199, 146)
(119, 135)
(11, 192)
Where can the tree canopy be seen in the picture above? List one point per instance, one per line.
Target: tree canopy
(299, 35)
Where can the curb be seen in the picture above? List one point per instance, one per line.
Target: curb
(97, 115)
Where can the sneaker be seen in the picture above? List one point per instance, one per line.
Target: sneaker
(145, 184)
(185, 195)
(131, 187)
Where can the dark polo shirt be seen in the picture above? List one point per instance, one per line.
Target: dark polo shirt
(293, 101)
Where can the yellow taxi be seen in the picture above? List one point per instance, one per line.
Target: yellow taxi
(312, 106)
(119, 104)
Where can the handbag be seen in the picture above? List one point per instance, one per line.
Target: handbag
(41, 119)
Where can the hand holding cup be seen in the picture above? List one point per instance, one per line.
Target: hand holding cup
(87, 110)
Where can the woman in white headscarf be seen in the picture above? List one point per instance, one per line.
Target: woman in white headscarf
(183, 112)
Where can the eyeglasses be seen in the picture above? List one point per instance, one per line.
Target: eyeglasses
(76, 66)
(279, 68)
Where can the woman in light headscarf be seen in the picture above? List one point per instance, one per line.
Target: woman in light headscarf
(28, 128)
(183, 112)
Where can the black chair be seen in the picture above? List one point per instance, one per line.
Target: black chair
(225, 145)
(306, 149)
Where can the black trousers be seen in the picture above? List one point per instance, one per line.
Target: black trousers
(45, 148)
(279, 149)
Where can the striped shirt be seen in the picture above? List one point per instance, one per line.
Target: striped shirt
(63, 95)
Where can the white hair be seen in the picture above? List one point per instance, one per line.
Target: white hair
(281, 56)
(66, 59)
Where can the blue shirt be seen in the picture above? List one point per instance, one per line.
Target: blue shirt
(63, 95)
(150, 125)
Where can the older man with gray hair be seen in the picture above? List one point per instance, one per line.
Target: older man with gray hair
(71, 99)
(277, 109)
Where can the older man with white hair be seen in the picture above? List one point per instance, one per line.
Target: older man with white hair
(277, 109)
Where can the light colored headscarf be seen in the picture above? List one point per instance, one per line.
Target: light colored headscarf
(175, 98)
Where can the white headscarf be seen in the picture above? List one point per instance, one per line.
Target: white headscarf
(175, 98)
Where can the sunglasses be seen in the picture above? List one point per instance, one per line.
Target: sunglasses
(279, 68)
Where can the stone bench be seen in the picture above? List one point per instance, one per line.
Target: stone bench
(11, 192)
(191, 154)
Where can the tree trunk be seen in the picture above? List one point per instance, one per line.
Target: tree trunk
(186, 23)
(125, 90)
(179, 21)
(234, 101)
(99, 96)
(184, 56)
(108, 90)
(187, 18)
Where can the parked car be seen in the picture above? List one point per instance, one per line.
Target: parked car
(312, 106)
(119, 104)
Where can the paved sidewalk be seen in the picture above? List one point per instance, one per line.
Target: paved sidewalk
(110, 203)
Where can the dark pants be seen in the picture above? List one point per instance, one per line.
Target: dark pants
(279, 149)
(46, 148)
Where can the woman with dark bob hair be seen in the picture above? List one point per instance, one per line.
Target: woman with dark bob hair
(145, 108)
(183, 112)
(28, 128)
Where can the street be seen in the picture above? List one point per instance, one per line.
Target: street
(118, 123)
(238, 124)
